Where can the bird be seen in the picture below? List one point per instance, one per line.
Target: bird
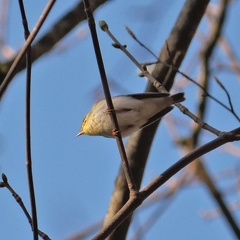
(133, 111)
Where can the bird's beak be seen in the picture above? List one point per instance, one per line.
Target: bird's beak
(80, 133)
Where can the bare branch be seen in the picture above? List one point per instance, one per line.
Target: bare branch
(174, 68)
(59, 30)
(138, 145)
(24, 49)
(128, 174)
(28, 125)
(157, 84)
(231, 109)
(198, 166)
(136, 201)
(18, 199)
(230, 53)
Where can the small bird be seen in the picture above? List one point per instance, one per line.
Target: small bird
(134, 112)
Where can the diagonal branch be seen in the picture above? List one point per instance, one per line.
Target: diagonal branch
(137, 200)
(42, 46)
(12, 70)
(139, 144)
(18, 199)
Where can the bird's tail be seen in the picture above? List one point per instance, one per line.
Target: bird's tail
(178, 97)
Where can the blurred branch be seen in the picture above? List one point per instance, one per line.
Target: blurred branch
(18, 199)
(86, 233)
(12, 70)
(59, 30)
(198, 167)
(4, 5)
(139, 144)
(230, 53)
(232, 149)
(206, 93)
(234, 206)
(206, 53)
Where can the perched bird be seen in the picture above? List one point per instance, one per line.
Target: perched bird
(134, 112)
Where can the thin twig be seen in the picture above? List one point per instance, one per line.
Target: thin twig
(139, 42)
(24, 49)
(131, 184)
(229, 98)
(230, 53)
(18, 199)
(175, 69)
(139, 144)
(28, 125)
(155, 83)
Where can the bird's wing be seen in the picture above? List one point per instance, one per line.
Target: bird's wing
(157, 116)
(178, 97)
(140, 96)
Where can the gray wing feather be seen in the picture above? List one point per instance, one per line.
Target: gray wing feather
(157, 116)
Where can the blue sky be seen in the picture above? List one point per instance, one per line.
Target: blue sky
(74, 177)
